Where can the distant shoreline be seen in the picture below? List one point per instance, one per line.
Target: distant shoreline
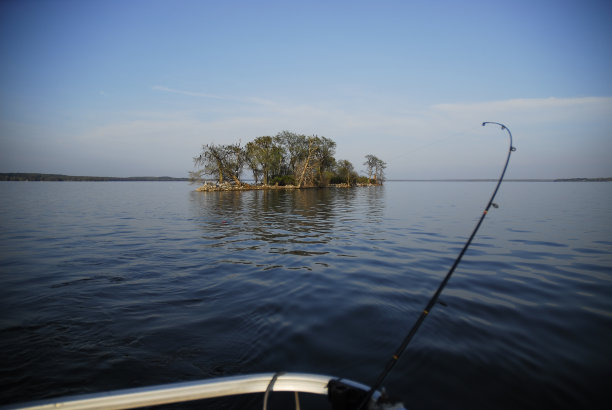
(25, 176)
(605, 179)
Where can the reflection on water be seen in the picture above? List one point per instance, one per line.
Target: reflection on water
(299, 222)
(116, 285)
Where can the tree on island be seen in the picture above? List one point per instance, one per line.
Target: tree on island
(375, 167)
(315, 157)
(225, 161)
(324, 158)
(264, 157)
(285, 159)
(346, 172)
(294, 146)
(379, 171)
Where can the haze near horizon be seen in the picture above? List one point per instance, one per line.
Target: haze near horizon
(115, 88)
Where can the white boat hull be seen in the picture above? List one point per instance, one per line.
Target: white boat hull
(196, 390)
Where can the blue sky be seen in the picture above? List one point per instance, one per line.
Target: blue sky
(128, 88)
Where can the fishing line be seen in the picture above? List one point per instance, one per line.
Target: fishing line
(402, 347)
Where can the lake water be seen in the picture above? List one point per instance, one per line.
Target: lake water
(112, 285)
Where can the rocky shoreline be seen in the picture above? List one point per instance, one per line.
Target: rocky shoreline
(248, 187)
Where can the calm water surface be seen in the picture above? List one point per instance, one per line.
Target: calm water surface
(125, 284)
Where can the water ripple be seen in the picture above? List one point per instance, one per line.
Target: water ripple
(136, 284)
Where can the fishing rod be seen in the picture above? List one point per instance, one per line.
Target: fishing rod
(402, 347)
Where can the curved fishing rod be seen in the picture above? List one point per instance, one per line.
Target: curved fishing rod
(396, 355)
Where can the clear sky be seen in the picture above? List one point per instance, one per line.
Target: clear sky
(131, 88)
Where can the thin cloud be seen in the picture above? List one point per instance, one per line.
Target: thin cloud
(199, 94)
(598, 104)
(440, 140)
(189, 93)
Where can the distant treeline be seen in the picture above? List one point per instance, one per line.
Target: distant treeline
(584, 179)
(25, 176)
(607, 179)
(20, 176)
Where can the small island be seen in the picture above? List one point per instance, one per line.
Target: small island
(285, 161)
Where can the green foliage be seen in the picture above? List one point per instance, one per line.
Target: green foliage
(337, 179)
(226, 162)
(283, 180)
(285, 159)
(344, 173)
(264, 156)
(376, 167)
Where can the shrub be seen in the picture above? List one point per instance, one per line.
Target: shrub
(282, 180)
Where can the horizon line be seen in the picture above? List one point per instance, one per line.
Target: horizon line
(4, 175)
